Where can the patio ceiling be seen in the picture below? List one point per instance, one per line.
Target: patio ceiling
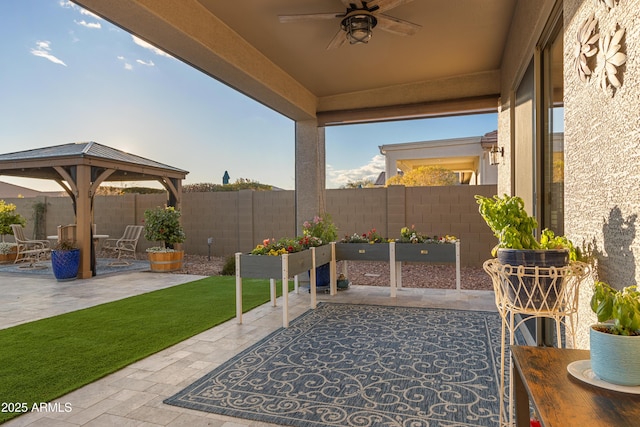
(451, 65)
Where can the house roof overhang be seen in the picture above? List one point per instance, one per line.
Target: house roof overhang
(451, 65)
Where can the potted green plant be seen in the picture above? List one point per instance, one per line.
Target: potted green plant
(515, 228)
(163, 225)
(65, 260)
(615, 345)
(518, 246)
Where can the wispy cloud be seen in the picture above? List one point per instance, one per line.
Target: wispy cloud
(147, 63)
(43, 50)
(127, 65)
(340, 177)
(92, 25)
(70, 5)
(151, 47)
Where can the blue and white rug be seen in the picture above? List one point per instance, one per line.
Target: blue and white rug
(103, 266)
(361, 365)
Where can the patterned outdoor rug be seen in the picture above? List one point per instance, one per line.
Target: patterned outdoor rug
(361, 365)
(103, 266)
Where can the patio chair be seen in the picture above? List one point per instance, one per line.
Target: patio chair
(67, 233)
(125, 245)
(29, 250)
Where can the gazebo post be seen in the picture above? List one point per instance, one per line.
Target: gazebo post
(83, 220)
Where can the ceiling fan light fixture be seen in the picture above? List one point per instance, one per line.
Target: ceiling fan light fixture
(358, 27)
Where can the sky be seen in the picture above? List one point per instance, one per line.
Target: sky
(70, 76)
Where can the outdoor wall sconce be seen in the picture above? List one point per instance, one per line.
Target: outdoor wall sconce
(495, 155)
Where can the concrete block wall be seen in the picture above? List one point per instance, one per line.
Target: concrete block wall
(237, 221)
(358, 210)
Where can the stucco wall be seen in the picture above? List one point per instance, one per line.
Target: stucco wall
(237, 221)
(602, 153)
(602, 157)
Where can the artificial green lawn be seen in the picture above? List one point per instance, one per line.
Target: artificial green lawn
(45, 359)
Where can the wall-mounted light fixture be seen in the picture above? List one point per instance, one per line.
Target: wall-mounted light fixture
(495, 155)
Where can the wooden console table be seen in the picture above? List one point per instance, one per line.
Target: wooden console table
(540, 373)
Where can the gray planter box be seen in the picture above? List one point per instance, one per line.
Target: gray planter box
(362, 251)
(270, 267)
(323, 255)
(426, 252)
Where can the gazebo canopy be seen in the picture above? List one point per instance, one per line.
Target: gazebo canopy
(43, 163)
(80, 168)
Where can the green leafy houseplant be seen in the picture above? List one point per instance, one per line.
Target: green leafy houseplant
(8, 216)
(515, 229)
(614, 346)
(620, 306)
(163, 225)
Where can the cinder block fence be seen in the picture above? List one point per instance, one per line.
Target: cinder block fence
(237, 221)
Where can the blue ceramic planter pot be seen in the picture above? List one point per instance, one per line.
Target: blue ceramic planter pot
(614, 358)
(65, 264)
(323, 275)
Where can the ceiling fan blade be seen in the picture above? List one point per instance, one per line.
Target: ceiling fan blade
(384, 5)
(396, 25)
(309, 17)
(338, 40)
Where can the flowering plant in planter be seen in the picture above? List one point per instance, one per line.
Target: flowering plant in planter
(275, 247)
(6, 248)
(410, 235)
(163, 225)
(321, 227)
(371, 236)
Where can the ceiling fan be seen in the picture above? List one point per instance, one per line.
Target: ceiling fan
(360, 18)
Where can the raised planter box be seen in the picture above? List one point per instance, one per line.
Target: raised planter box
(362, 251)
(323, 255)
(270, 267)
(426, 252)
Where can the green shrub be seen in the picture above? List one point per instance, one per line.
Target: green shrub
(229, 268)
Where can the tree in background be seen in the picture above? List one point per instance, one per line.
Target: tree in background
(362, 183)
(425, 176)
(8, 216)
(240, 184)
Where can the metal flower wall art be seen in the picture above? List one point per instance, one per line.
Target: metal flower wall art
(584, 47)
(609, 4)
(609, 59)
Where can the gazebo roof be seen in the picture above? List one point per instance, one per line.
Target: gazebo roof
(40, 162)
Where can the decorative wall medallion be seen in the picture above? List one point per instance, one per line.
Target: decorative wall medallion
(584, 48)
(609, 4)
(609, 59)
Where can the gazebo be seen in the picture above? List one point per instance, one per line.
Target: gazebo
(80, 168)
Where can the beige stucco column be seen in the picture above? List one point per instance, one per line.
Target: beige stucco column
(310, 171)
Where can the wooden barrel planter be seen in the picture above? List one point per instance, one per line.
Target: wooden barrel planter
(163, 262)
(10, 257)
